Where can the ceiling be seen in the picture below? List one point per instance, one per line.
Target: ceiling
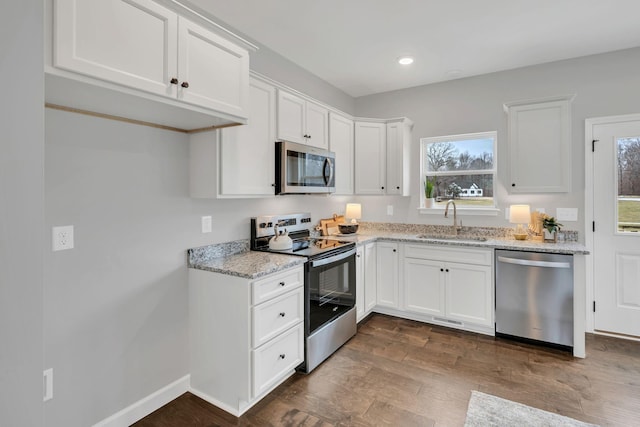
(354, 44)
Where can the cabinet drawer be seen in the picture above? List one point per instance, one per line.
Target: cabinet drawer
(278, 284)
(277, 358)
(277, 315)
(459, 254)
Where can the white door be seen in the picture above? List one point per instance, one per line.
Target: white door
(291, 117)
(468, 293)
(616, 214)
(387, 274)
(370, 143)
(317, 125)
(341, 143)
(212, 72)
(424, 286)
(141, 53)
(247, 153)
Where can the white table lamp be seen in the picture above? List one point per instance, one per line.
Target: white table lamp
(353, 211)
(520, 215)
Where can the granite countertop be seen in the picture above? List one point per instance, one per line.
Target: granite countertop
(492, 241)
(235, 259)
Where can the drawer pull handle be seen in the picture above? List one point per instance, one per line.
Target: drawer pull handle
(282, 356)
(281, 283)
(282, 314)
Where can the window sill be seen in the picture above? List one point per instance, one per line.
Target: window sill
(461, 211)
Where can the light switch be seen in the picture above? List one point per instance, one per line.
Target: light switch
(390, 210)
(567, 214)
(206, 224)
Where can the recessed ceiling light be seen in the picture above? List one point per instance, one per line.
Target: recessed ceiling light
(405, 60)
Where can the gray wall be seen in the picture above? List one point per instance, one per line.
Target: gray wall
(116, 305)
(21, 213)
(607, 84)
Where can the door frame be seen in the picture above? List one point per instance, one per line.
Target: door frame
(588, 207)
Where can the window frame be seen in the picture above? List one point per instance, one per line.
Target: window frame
(467, 210)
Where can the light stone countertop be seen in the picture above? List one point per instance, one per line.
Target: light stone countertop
(492, 242)
(235, 259)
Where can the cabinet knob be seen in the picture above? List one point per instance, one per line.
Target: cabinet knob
(281, 283)
(447, 270)
(173, 81)
(397, 188)
(382, 188)
(358, 255)
(282, 356)
(185, 84)
(513, 184)
(442, 269)
(394, 250)
(282, 314)
(273, 185)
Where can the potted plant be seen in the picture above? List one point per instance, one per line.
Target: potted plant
(551, 228)
(429, 189)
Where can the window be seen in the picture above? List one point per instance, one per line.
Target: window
(460, 167)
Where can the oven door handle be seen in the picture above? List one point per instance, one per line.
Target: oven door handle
(325, 261)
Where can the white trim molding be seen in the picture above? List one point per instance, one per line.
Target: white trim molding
(147, 405)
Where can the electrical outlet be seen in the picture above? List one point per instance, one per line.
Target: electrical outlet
(206, 224)
(62, 238)
(47, 384)
(390, 210)
(567, 214)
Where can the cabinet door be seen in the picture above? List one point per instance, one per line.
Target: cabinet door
(370, 152)
(360, 277)
(215, 70)
(540, 146)
(341, 143)
(291, 117)
(132, 43)
(398, 152)
(370, 277)
(317, 125)
(424, 290)
(469, 293)
(387, 267)
(246, 165)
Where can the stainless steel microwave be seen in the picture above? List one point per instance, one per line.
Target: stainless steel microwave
(302, 169)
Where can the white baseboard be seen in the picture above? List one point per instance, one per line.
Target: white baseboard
(146, 405)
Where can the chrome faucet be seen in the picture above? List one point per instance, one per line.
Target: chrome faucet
(455, 216)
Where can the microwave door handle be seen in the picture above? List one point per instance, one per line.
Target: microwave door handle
(327, 162)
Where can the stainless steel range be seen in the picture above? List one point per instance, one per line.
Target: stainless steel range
(330, 282)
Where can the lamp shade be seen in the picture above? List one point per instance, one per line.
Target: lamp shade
(519, 214)
(354, 211)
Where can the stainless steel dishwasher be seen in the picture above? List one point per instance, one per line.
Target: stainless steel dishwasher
(534, 296)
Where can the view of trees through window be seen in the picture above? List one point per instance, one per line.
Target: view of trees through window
(461, 168)
(629, 184)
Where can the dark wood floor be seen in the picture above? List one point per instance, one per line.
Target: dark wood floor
(402, 373)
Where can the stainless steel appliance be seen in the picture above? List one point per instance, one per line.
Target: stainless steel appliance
(330, 283)
(302, 169)
(534, 296)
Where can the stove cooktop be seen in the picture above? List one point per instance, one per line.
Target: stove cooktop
(312, 247)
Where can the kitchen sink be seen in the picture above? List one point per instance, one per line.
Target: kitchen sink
(459, 237)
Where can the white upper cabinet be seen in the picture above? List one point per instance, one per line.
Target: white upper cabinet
(540, 145)
(142, 53)
(212, 72)
(341, 143)
(141, 48)
(302, 121)
(370, 161)
(398, 152)
(247, 153)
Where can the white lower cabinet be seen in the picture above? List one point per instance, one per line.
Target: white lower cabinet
(453, 285)
(246, 336)
(388, 289)
(365, 280)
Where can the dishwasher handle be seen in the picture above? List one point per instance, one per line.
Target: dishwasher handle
(530, 263)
